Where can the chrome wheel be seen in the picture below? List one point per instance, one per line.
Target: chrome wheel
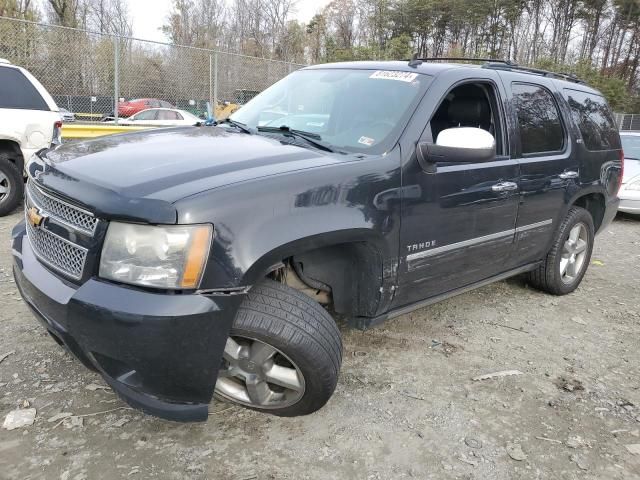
(574, 253)
(258, 375)
(5, 187)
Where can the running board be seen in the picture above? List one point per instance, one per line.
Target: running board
(363, 323)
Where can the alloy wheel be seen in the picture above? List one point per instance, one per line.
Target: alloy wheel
(574, 253)
(5, 186)
(258, 375)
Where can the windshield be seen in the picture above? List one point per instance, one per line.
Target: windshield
(360, 111)
(631, 146)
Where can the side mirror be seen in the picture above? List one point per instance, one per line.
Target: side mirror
(457, 145)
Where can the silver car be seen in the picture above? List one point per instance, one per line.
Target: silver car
(630, 190)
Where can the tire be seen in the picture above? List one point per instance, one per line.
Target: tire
(306, 339)
(549, 276)
(11, 185)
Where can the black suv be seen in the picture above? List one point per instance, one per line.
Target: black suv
(183, 263)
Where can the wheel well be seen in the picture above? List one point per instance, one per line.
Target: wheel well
(348, 276)
(594, 203)
(13, 149)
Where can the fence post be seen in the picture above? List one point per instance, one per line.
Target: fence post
(116, 81)
(214, 103)
(211, 82)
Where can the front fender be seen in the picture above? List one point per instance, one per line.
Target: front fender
(259, 223)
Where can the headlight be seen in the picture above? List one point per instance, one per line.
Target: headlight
(171, 257)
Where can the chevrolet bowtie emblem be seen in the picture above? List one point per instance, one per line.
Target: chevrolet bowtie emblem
(34, 217)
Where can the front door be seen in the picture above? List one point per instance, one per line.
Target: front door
(458, 223)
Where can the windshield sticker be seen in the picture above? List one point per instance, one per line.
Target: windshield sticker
(366, 141)
(407, 77)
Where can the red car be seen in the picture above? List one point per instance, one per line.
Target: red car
(126, 109)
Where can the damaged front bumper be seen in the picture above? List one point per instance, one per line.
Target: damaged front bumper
(160, 352)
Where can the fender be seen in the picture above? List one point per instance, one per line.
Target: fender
(296, 212)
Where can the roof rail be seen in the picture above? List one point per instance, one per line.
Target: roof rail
(536, 71)
(499, 65)
(415, 60)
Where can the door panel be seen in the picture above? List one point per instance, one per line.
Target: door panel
(459, 231)
(459, 227)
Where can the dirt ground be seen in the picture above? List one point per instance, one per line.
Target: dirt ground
(405, 407)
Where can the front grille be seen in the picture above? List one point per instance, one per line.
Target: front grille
(57, 252)
(61, 211)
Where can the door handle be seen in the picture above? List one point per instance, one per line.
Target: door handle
(504, 187)
(568, 175)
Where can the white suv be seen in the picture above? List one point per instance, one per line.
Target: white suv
(29, 121)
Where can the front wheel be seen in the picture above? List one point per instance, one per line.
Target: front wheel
(283, 354)
(566, 263)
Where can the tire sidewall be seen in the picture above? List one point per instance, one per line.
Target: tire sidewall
(578, 215)
(298, 356)
(16, 186)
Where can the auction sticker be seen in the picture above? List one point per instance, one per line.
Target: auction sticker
(407, 77)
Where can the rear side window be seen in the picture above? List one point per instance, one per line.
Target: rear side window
(593, 117)
(538, 119)
(146, 115)
(16, 91)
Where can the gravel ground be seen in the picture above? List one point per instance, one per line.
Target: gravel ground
(405, 407)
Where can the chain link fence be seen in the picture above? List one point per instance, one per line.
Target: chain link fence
(86, 72)
(627, 121)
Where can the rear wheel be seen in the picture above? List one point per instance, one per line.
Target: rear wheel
(568, 260)
(11, 185)
(283, 355)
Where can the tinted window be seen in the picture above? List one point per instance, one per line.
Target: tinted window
(538, 119)
(16, 91)
(593, 117)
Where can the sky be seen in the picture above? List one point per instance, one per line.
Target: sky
(149, 15)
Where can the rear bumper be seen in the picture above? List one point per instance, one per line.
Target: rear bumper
(159, 352)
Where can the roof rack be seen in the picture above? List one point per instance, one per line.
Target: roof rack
(499, 65)
(536, 71)
(415, 60)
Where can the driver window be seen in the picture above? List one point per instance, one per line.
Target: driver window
(470, 105)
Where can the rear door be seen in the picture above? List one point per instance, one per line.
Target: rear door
(548, 166)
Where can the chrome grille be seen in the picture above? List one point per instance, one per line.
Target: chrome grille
(57, 252)
(61, 211)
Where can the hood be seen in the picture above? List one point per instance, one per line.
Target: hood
(160, 167)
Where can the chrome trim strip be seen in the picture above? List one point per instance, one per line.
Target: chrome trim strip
(454, 246)
(474, 241)
(534, 225)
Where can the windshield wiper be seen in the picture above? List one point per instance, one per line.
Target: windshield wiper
(239, 125)
(312, 138)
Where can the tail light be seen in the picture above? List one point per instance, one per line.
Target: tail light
(57, 133)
